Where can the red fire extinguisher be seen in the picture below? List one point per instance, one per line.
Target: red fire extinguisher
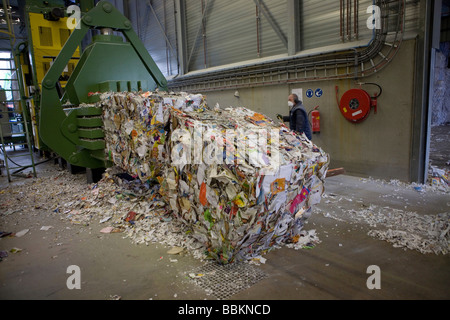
(315, 120)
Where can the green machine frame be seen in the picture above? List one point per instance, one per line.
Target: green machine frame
(71, 129)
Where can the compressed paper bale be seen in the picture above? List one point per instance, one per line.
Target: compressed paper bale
(214, 168)
(239, 210)
(135, 133)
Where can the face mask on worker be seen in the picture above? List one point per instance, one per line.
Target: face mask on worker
(290, 104)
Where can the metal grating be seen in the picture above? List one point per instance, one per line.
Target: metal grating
(224, 281)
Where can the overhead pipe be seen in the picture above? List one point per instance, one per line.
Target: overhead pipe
(345, 20)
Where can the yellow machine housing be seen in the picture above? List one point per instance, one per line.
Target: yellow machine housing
(48, 38)
(45, 41)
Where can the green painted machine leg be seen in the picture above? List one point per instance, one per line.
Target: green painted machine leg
(94, 175)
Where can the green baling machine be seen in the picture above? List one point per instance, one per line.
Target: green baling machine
(67, 126)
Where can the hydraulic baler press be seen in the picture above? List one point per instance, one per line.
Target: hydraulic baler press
(67, 125)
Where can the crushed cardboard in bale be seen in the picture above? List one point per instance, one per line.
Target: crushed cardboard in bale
(240, 182)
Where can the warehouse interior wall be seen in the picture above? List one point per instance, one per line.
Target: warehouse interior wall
(384, 146)
(379, 147)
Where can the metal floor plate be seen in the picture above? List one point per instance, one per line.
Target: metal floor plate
(224, 281)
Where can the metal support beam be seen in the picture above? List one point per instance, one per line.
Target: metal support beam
(272, 22)
(420, 145)
(180, 21)
(200, 28)
(161, 27)
(434, 43)
(293, 14)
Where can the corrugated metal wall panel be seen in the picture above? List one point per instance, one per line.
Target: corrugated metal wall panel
(231, 32)
(154, 30)
(134, 16)
(193, 19)
(271, 43)
(412, 16)
(231, 29)
(364, 33)
(319, 23)
(161, 36)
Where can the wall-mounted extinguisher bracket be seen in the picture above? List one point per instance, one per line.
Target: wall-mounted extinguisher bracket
(374, 103)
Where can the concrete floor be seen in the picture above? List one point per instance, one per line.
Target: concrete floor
(336, 268)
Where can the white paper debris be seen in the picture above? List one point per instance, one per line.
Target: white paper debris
(22, 233)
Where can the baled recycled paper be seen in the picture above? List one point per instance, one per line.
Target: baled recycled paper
(241, 182)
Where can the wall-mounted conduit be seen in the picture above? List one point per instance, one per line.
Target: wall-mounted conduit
(355, 62)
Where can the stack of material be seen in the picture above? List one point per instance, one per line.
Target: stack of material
(239, 181)
(439, 178)
(135, 129)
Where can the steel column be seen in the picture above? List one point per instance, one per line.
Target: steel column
(272, 23)
(180, 21)
(293, 14)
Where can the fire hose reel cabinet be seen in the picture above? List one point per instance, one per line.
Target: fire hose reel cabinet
(355, 105)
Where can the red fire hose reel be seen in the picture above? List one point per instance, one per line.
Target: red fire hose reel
(355, 104)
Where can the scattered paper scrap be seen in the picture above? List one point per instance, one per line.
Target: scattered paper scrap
(22, 233)
(175, 250)
(111, 230)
